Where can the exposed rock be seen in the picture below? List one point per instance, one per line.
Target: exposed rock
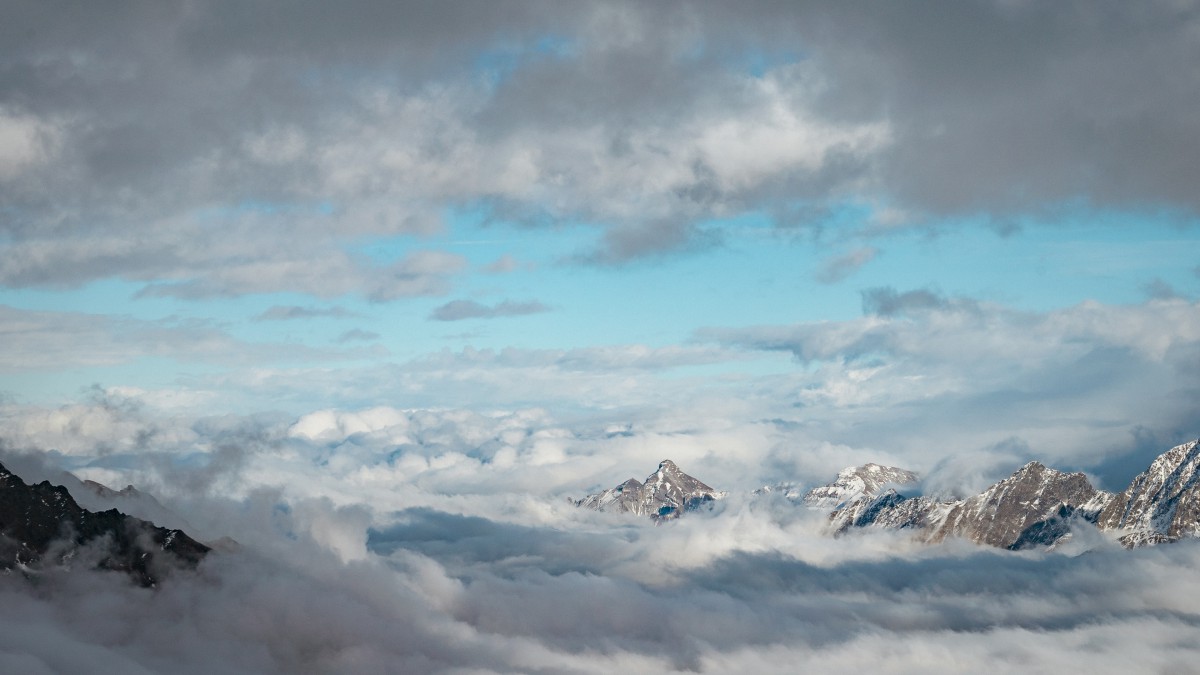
(1162, 503)
(856, 482)
(890, 509)
(665, 494)
(1034, 506)
(43, 525)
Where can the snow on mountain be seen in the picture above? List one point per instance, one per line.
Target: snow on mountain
(1033, 506)
(1022, 506)
(1038, 506)
(665, 494)
(1162, 503)
(856, 482)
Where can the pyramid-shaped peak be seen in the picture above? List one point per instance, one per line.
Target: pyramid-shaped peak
(1036, 468)
(667, 465)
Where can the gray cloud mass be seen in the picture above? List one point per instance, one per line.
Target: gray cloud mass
(134, 131)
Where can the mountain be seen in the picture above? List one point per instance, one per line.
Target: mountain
(129, 500)
(665, 494)
(855, 482)
(1038, 506)
(42, 525)
(1033, 506)
(1162, 503)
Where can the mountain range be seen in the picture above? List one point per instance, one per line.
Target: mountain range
(1035, 506)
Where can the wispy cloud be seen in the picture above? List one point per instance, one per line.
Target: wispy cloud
(843, 266)
(289, 312)
(357, 334)
(457, 310)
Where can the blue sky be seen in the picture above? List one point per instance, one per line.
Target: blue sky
(614, 208)
(753, 274)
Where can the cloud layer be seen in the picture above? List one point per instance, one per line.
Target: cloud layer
(434, 541)
(302, 134)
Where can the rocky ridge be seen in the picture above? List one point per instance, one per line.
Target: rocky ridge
(1038, 506)
(1035, 506)
(42, 525)
(855, 482)
(1162, 503)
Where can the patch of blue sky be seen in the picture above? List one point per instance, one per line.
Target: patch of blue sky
(1056, 259)
(51, 387)
(754, 62)
(757, 63)
(498, 63)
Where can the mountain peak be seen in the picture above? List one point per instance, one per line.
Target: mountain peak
(857, 482)
(1163, 502)
(665, 494)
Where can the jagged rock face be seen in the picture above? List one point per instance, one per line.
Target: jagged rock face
(1034, 506)
(665, 494)
(1022, 503)
(1160, 504)
(890, 510)
(856, 482)
(43, 525)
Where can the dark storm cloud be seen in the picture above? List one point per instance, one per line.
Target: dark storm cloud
(457, 310)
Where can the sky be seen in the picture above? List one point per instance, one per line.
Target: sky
(367, 271)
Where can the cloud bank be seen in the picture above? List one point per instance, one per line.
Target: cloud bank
(302, 139)
(440, 541)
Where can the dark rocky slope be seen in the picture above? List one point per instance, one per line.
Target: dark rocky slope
(42, 525)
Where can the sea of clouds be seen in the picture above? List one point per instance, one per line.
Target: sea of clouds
(390, 540)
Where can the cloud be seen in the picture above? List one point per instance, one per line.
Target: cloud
(231, 143)
(1072, 384)
(288, 312)
(457, 310)
(837, 269)
(25, 142)
(357, 334)
(503, 265)
(423, 554)
(40, 340)
(1158, 289)
(886, 301)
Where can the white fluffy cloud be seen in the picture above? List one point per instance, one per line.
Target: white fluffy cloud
(434, 551)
